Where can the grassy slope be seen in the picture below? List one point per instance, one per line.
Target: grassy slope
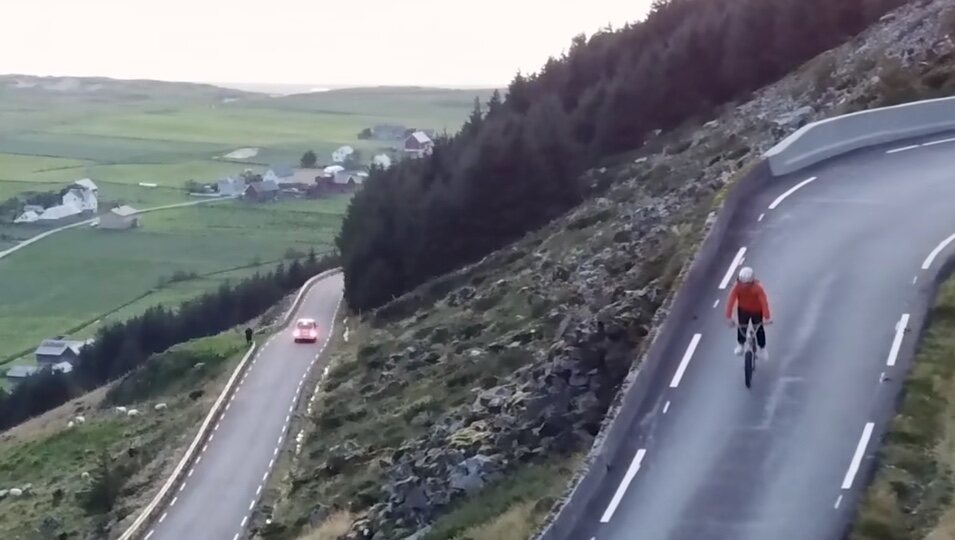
(911, 495)
(43, 452)
(79, 275)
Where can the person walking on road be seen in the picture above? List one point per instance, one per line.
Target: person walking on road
(248, 336)
(753, 307)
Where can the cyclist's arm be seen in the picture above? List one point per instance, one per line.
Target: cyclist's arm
(764, 303)
(731, 301)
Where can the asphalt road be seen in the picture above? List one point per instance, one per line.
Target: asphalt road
(215, 501)
(842, 260)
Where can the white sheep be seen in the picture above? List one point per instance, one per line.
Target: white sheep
(80, 419)
(85, 475)
(132, 412)
(121, 410)
(16, 492)
(160, 406)
(69, 425)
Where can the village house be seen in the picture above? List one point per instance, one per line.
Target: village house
(306, 177)
(231, 187)
(57, 350)
(19, 373)
(280, 174)
(120, 218)
(266, 190)
(79, 198)
(418, 144)
(350, 178)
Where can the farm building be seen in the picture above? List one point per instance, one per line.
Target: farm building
(120, 218)
(280, 174)
(55, 351)
(265, 190)
(30, 216)
(231, 187)
(418, 144)
(306, 176)
(350, 178)
(80, 197)
(18, 373)
(62, 211)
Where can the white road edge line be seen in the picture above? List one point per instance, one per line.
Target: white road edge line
(174, 499)
(236, 537)
(624, 484)
(791, 190)
(940, 141)
(857, 457)
(242, 524)
(761, 216)
(666, 407)
(838, 502)
(902, 149)
(252, 504)
(729, 272)
(716, 303)
(258, 491)
(271, 463)
(265, 475)
(162, 517)
(150, 533)
(182, 487)
(897, 341)
(938, 249)
(678, 376)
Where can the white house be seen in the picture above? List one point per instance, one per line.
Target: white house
(30, 216)
(382, 160)
(280, 174)
(230, 187)
(82, 199)
(58, 212)
(340, 155)
(79, 198)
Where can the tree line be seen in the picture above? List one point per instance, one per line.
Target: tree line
(515, 163)
(122, 347)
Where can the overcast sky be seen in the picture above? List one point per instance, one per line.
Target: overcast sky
(364, 42)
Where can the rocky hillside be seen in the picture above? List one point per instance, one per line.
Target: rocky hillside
(455, 390)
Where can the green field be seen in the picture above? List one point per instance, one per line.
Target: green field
(124, 133)
(80, 275)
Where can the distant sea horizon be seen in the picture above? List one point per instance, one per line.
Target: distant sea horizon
(289, 89)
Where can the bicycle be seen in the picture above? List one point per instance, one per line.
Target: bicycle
(750, 353)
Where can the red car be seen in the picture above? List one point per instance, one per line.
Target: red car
(305, 330)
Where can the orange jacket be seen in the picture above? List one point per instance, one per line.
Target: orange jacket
(751, 298)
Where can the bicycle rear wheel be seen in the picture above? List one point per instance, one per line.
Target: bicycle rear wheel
(748, 367)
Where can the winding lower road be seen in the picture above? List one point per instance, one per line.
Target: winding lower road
(216, 499)
(847, 251)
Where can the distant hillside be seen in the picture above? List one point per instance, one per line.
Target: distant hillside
(100, 88)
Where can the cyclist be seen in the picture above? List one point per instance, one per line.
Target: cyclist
(753, 307)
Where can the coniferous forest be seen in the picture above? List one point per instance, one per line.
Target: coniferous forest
(515, 163)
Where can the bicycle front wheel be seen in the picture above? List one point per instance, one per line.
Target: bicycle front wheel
(748, 365)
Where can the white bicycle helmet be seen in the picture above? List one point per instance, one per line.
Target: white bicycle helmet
(746, 274)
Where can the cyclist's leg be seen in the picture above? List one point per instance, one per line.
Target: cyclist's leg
(744, 319)
(760, 331)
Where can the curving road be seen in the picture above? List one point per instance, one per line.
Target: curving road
(845, 257)
(215, 500)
